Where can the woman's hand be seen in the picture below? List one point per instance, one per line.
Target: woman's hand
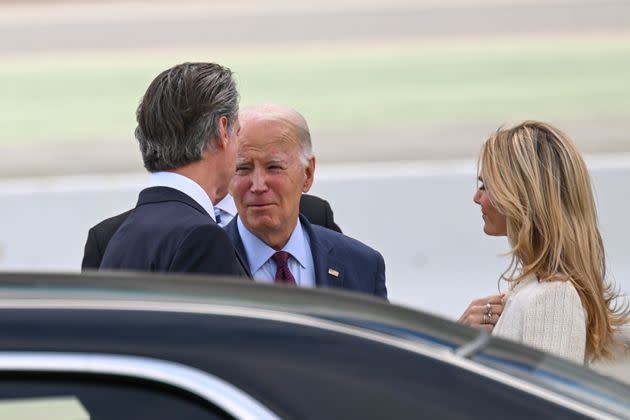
(483, 313)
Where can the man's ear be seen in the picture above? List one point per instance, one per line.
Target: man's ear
(224, 135)
(310, 174)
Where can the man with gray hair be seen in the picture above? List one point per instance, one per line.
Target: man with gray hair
(274, 166)
(187, 131)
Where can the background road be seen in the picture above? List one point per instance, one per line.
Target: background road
(106, 26)
(378, 81)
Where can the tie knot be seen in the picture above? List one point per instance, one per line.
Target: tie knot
(283, 274)
(281, 258)
(217, 215)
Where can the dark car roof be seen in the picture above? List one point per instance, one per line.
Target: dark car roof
(302, 353)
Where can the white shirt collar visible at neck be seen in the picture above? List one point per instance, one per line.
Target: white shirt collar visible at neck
(185, 185)
(227, 205)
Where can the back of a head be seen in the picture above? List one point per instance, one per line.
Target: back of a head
(180, 111)
(535, 175)
(537, 178)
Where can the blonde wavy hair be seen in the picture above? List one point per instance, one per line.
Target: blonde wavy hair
(536, 177)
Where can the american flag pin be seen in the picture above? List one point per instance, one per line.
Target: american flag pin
(333, 272)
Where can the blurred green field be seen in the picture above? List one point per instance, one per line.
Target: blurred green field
(63, 99)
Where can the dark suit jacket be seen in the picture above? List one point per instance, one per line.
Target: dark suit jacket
(316, 210)
(170, 232)
(357, 266)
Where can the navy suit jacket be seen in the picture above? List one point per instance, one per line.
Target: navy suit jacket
(358, 267)
(168, 231)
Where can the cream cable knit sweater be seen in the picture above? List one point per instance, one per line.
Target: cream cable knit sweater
(545, 315)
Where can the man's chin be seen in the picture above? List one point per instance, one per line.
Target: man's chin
(259, 221)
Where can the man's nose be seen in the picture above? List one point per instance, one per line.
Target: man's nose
(259, 182)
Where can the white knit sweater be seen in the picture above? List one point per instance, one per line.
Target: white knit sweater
(547, 315)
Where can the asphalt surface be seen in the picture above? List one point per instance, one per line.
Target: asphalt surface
(61, 30)
(195, 24)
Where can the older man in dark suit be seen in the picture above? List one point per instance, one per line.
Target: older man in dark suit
(187, 131)
(274, 166)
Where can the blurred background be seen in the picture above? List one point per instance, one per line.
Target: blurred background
(377, 80)
(399, 95)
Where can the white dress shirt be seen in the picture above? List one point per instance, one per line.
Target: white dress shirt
(227, 207)
(194, 191)
(185, 185)
(262, 266)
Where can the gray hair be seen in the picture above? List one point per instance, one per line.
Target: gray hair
(291, 118)
(178, 117)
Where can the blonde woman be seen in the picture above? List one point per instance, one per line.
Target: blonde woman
(535, 189)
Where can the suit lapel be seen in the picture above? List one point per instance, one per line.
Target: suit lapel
(329, 270)
(232, 231)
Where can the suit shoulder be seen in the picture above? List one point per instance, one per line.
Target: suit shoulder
(208, 236)
(341, 240)
(314, 208)
(211, 228)
(110, 222)
(192, 228)
(307, 199)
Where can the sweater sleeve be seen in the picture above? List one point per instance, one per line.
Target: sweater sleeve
(555, 322)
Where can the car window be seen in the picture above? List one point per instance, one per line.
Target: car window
(104, 397)
(48, 408)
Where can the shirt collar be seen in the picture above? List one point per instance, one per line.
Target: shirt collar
(258, 252)
(227, 205)
(185, 185)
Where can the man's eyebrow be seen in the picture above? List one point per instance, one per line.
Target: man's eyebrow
(277, 159)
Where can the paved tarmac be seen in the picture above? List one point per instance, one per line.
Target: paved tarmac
(99, 26)
(30, 29)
